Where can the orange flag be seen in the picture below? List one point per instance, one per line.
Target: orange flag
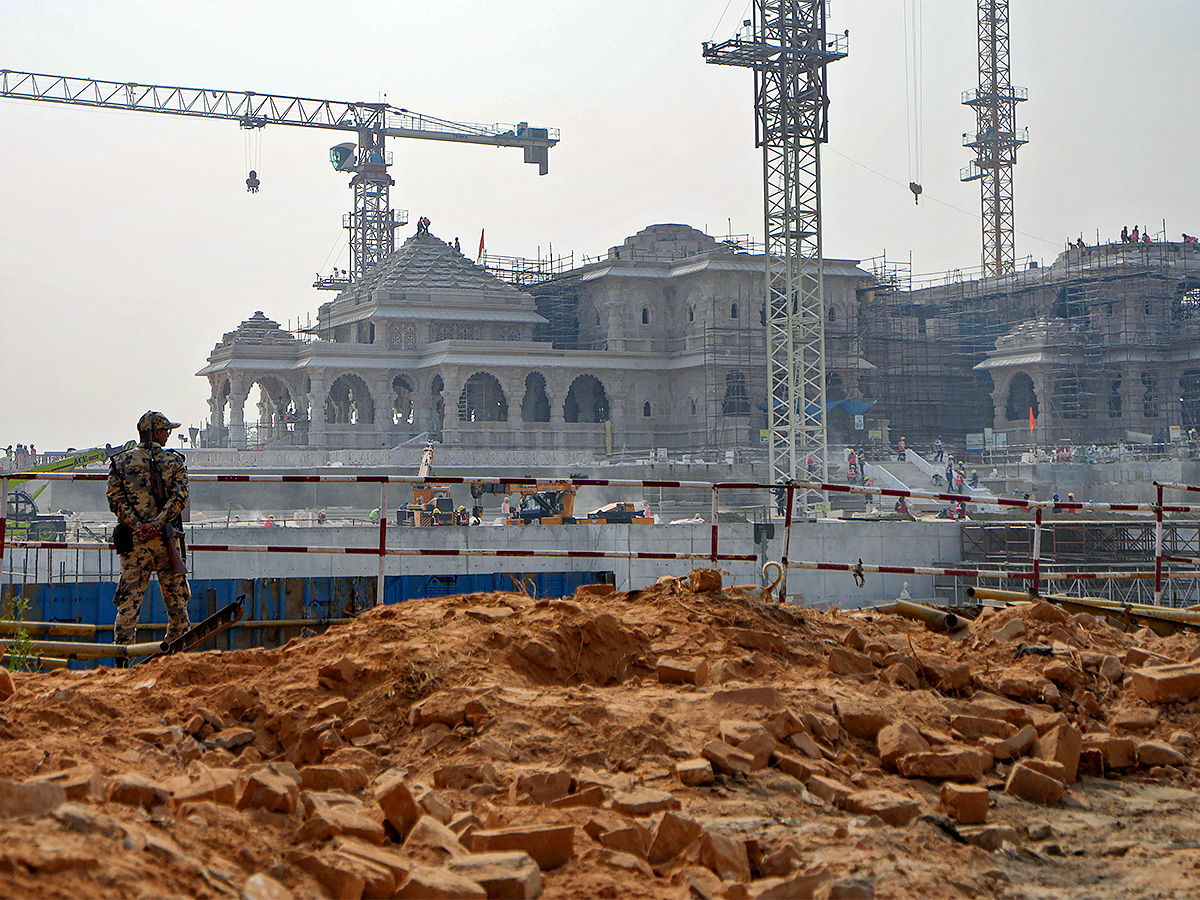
(481, 247)
(1032, 424)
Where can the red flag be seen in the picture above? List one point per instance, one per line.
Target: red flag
(1032, 424)
(481, 247)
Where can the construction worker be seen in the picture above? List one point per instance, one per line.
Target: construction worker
(147, 491)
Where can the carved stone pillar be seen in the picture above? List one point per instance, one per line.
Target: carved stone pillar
(452, 385)
(239, 392)
(382, 397)
(316, 415)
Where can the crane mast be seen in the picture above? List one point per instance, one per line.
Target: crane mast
(996, 138)
(786, 46)
(372, 223)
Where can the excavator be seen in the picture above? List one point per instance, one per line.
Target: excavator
(26, 523)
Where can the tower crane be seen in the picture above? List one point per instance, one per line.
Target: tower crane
(786, 46)
(372, 223)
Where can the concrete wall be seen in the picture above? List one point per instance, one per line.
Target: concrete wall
(883, 542)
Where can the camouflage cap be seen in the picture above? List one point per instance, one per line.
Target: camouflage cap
(152, 420)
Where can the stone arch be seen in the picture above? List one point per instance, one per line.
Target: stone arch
(586, 401)
(734, 310)
(482, 400)
(647, 410)
(404, 407)
(349, 402)
(691, 313)
(691, 406)
(1022, 396)
(535, 406)
(645, 315)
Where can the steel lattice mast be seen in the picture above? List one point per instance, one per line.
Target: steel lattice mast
(996, 138)
(787, 47)
(372, 224)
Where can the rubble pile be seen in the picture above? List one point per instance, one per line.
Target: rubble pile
(667, 742)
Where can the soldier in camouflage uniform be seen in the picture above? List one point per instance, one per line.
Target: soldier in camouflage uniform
(131, 497)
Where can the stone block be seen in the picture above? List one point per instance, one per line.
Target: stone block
(893, 808)
(725, 758)
(432, 803)
(1139, 718)
(672, 836)
(1050, 767)
(342, 877)
(78, 782)
(800, 769)
(784, 724)
(761, 695)
(1061, 744)
(760, 747)
(376, 855)
(801, 885)
(231, 738)
(7, 688)
(137, 790)
(944, 673)
(725, 856)
(589, 796)
(1176, 683)
(462, 776)
(1091, 762)
(424, 883)
(429, 839)
(631, 839)
(861, 718)
(804, 743)
(1020, 684)
(901, 674)
(831, 791)
(843, 661)
(1023, 741)
(1111, 668)
(1010, 630)
(734, 731)
(1028, 784)
(966, 804)
(694, 772)
(1119, 752)
(942, 765)
(540, 787)
(692, 670)
(350, 779)
(979, 726)
(704, 580)
(261, 886)
(589, 591)
(269, 789)
(30, 799)
(1156, 753)
(898, 740)
(507, 876)
(643, 802)
(217, 785)
(399, 805)
(326, 822)
(551, 846)
(990, 837)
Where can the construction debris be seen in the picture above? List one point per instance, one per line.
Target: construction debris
(660, 743)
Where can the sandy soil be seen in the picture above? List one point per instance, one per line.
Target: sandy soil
(481, 702)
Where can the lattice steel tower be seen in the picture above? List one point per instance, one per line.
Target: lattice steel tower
(996, 138)
(786, 46)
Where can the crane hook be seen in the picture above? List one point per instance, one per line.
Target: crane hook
(252, 182)
(916, 189)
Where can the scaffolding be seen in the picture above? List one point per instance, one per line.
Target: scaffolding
(1096, 345)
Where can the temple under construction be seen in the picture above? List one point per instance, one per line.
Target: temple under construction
(660, 344)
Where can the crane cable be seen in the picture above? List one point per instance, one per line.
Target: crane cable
(914, 93)
(252, 156)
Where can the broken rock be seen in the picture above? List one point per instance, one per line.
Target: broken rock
(967, 804)
(1167, 684)
(510, 876)
(550, 846)
(893, 808)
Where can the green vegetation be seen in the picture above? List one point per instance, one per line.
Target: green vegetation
(21, 657)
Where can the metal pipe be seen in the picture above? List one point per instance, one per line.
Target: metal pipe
(45, 662)
(81, 650)
(934, 619)
(987, 593)
(72, 629)
(1158, 545)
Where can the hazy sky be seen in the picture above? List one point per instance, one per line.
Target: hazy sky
(129, 245)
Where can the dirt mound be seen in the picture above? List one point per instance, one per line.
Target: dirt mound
(658, 743)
